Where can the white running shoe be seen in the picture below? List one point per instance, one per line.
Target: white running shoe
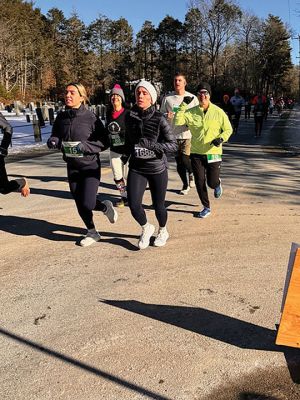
(184, 191)
(91, 237)
(191, 181)
(162, 237)
(147, 232)
(110, 212)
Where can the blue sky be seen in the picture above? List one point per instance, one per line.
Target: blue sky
(138, 11)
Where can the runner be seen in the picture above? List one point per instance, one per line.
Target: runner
(260, 110)
(210, 127)
(169, 106)
(115, 124)
(81, 136)
(148, 138)
(238, 102)
(16, 185)
(227, 107)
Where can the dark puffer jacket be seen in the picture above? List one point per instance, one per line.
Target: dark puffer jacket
(149, 129)
(80, 125)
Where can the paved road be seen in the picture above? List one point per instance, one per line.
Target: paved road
(193, 320)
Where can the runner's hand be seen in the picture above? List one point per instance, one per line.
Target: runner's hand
(146, 143)
(80, 147)
(216, 142)
(52, 142)
(188, 99)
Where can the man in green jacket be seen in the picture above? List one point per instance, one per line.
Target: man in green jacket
(210, 127)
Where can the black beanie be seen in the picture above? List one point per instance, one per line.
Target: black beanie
(204, 86)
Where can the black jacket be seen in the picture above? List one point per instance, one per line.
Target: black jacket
(80, 125)
(116, 131)
(148, 132)
(7, 132)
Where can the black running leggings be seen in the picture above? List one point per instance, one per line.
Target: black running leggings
(183, 163)
(84, 185)
(6, 186)
(205, 172)
(136, 186)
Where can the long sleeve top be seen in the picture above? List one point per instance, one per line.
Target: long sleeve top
(80, 125)
(116, 131)
(204, 127)
(171, 102)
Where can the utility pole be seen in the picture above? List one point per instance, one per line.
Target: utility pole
(298, 38)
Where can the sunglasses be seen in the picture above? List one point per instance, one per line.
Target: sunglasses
(204, 92)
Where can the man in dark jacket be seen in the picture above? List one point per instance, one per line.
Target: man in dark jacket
(16, 185)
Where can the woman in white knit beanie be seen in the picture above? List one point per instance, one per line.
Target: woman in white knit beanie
(149, 87)
(148, 138)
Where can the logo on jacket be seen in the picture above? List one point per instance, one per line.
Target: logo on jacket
(114, 127)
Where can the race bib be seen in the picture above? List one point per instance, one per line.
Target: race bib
(71, 150)
(214, 158)
(142, 153)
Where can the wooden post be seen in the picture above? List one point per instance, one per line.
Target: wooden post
(39, 114)
(51, 115)
(289, 327)
(36, 129)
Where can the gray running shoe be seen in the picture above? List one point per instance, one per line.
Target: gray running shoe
(110, 212)
(90, 238)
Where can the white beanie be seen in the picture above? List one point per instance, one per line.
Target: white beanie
(149, 87)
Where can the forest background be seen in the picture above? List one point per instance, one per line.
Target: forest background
(217, 42)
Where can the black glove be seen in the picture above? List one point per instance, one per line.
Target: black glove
(52, 142)
(216, 142)
(80, 147)
(188, 99)
(3, 152)
(158, 150)
(146, 143)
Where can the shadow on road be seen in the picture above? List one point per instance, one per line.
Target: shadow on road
(205, 322)
(217, 326)
(86, 367)
(37, 227)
